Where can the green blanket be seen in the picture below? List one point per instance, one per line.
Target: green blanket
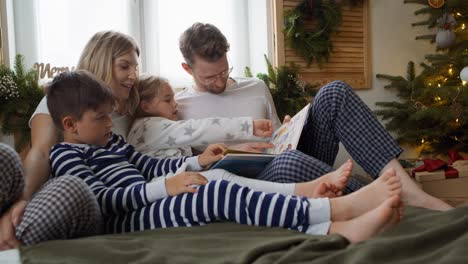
(423, 236)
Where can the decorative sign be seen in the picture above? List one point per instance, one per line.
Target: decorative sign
(47, 72)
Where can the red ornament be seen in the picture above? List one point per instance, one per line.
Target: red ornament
(436, 3)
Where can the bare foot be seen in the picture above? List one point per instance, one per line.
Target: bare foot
(412, 194)
(326, 190)
(367, 198)
(338, 178)
(369, 224)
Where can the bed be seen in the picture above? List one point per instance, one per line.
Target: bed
(424, 236)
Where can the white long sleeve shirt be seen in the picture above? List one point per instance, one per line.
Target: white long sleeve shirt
(161, 137)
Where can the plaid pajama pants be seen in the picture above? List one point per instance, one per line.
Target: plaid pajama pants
(64, 208)
(224, 200)
(337, 115)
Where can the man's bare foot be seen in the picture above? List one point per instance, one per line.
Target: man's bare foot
(367, 198)
(337, 178)
(412, 194)
(371, 223)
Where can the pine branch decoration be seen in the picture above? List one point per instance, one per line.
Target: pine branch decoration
(19, 95)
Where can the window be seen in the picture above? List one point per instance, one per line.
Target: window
(244, 23)
(55, 32)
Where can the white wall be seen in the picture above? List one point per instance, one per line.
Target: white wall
(393, 45)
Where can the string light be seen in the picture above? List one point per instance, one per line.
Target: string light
(422, 141)
(450, 71)
(456, 120)
(463, 26)
(438, 85)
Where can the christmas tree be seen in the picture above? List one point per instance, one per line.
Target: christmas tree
(432, 113)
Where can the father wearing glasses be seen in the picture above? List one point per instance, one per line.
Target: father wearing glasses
(214, 93)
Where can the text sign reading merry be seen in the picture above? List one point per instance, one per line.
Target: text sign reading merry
(47, 72)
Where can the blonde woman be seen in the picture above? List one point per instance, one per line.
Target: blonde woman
(66, 208)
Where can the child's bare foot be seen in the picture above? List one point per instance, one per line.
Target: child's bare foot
(370, 223)
(326, 190)
(338, 178)
(367, 198)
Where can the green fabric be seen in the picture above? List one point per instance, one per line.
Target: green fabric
(423, 236)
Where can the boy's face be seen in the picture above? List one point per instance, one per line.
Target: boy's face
(163, 104)
(124, 75)
(94, 127)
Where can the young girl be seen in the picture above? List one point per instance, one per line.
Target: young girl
(134, 194)
(156, 131)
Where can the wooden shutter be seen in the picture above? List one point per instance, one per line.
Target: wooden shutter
(350, 60)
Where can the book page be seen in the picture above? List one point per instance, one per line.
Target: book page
(287, 136)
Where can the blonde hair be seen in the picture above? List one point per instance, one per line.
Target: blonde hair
(149, 87)
(98, 57)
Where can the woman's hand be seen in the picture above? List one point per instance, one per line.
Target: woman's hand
(262, 128)
(255, 147)
(184, 183)
(8, 223)
(212, 153)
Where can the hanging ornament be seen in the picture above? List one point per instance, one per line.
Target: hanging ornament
(445, 38)
(464, 74)
(436, 3)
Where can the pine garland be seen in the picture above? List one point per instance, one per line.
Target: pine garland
(19, 96)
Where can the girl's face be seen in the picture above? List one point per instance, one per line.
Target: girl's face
(124, 75)
(163, 104)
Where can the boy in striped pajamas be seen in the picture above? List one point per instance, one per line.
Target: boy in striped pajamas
(135, 192)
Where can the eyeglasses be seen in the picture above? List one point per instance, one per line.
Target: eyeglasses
(210, 80)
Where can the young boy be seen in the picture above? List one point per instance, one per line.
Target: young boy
(134, 194)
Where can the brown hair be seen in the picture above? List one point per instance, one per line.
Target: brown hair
(149, 87)
(203, 40)
(98, 57)
(73, 93)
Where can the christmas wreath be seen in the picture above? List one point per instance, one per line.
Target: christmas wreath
(314, 43)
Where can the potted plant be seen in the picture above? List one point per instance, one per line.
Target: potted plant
(290, 93)
(19, 96)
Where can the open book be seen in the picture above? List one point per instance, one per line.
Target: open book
(252, 164)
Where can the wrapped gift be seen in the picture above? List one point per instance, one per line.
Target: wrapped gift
(443, 179)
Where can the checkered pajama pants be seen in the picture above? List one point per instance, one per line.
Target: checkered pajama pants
(337, 115)
(224, 200)
(64, 208)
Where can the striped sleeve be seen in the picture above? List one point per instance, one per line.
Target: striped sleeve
(112, 200)
(151, 167)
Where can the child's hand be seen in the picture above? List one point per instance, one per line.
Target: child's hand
(183, 183)
(262, 128)
(212, 153)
